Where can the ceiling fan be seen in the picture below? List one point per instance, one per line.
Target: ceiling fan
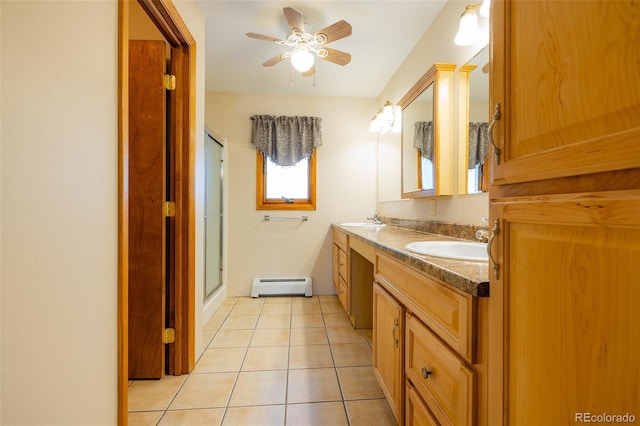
(305, 46)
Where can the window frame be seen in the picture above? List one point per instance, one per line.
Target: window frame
(263, 203)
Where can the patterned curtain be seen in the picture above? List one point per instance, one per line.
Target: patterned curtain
(423, 138)
(478, 143)
(286, 140)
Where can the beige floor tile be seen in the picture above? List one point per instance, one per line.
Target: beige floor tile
(268, 415)
(207, 336)
(230, 301)
(274, 321)
(313, 385)
(306, 308)
(344, 335)
(359, 383)
(331, 307)
(240, 322)
(259, 388)
(266, 358)
(231, 339)
(306, 320)
(149, 395)
(337, 319)
(215, 321)
(212, 416)
(250, 301)
(276, 308)
(220, 360)
(144, 418)
(310, 356)
(271, 337)
(312, 299)
(278, 300)
(204, 391)
(328, 298)
(352, 354)
(308, 336)
(246, 309)
(370, 412)
(317, 414)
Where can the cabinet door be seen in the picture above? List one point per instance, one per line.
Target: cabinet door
(564, 327)
(388, 348)
(565, 74)
(335, 266)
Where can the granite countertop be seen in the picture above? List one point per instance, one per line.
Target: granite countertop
(470, 277)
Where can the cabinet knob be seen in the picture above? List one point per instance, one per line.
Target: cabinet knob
(425, 373)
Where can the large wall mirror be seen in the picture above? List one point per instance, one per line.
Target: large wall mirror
(427, 135)
(473, 117)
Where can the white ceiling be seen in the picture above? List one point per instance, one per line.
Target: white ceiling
(384, 33)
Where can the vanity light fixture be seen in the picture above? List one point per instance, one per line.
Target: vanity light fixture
(469, 31)
(388, 118)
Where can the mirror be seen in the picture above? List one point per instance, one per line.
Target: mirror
(427, 135)
(473, 120)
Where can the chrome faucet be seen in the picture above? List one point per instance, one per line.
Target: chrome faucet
(375, 219)
(483, 234)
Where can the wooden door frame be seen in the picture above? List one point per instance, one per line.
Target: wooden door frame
(182, 124)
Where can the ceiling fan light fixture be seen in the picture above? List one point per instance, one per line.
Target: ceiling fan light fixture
(302, 60)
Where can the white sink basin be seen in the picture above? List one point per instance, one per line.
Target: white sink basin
(364, 224)
(461, 250)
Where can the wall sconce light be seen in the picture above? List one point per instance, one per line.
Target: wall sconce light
(388, 118)
(469, 31)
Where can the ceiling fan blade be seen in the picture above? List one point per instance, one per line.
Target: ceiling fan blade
(310, 72)
(337, 56)
(275, 60)
(294, 18)
(263, 37)
(336, 31)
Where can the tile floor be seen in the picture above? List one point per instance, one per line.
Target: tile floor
(271, 361)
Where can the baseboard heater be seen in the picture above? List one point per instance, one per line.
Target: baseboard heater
(281, 287)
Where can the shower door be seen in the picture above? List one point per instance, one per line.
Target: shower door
(213, 216)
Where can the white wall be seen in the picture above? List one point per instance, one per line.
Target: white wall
(59, 209)
(435, 46)
(346, 186)
(59, 212)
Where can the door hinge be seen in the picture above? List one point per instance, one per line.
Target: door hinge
(169, 82)
(169, 209)
(168, 336)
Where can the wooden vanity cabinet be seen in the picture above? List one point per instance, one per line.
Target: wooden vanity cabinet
(565, 209)
(429, 372)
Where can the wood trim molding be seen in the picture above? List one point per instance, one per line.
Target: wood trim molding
(264, 204)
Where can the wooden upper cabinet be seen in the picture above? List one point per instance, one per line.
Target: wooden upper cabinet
(567, 77)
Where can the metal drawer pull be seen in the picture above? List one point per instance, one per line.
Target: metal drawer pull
(495, 231)
(393, 332)
(496, 117)
(425, 373)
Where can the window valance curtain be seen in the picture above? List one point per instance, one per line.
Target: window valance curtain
(478, 143)
(423, 138)
(286, 140)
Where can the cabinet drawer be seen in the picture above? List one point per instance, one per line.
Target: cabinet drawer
(343, 294)
(443, 380)
(342, 264)
(417, 412)
(340, 239)
(449, 313)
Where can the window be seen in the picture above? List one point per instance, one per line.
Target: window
(285, 188)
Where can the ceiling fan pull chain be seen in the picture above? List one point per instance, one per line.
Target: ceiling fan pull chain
(290, 80)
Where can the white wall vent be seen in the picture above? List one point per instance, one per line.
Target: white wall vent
(281, 287)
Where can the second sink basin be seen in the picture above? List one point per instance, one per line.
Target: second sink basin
(461, 250)
(364, 224)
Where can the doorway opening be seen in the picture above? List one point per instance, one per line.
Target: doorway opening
(167, 20)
